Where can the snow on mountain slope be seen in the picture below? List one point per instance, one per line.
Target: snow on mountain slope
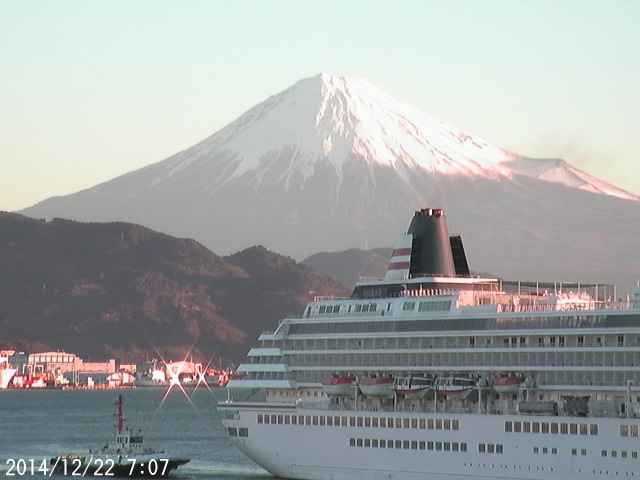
(334, 163)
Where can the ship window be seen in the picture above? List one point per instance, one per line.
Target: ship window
(322, 421)
(634, 454)
(358, 442)
(315, 420)
(372, 307)
(300, 420)
(233, 431)
(365, 308)
(455, 446)
(374, 443)
(574, 451)
(535, 449)
(438, 445)
(243, 432)
(583, 429)
(604, 453)
(564, 428)
(535, 427)
(280, 420)
(623, 454)
(455, 424)
(429, 445)
(517, 427)
(367, 422)
(545, 427)
(259, 418)
(383, 443)
(359, 422)
(352, 442)
(352, 421)
(343, 421)
(447, 424)
(405, 444)
(438, 424)
(554, 428)
(508, 426)
(329, 421)
(398, 443)
(367, 442)
(545, 450)
(294, 420)
(593, 430)
(624, 430)
(409, 305)
(322, 308)
(614, 453)
(634, 430)
(358, 308)
(405, 423)
(481, 447)
(398, 423)
(430, 423)
(383, 422)
(573, 429)
(273, 419)
(447, 446)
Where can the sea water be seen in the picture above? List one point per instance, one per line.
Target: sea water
(40, 424)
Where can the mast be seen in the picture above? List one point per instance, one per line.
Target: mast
(119, 414)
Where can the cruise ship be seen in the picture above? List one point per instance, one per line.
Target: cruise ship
(432, 373)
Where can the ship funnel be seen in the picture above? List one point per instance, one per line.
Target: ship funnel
(431, 248)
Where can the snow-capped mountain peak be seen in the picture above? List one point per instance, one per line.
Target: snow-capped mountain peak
(340, 119)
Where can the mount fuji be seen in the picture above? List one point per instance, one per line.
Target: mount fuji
(333, 163)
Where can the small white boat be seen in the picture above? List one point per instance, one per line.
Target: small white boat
(6, 372)
(455, 387)
(412, 386)
(336, 386)
(507, 383)
(380, 387)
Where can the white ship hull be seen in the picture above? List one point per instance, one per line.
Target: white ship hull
(323, 452)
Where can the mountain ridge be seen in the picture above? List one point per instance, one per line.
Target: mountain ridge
(121, 290)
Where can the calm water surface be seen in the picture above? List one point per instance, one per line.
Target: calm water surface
(39, 424)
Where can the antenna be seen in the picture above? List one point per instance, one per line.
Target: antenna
(119, 414)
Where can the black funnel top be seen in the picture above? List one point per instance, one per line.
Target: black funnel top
(431, 250)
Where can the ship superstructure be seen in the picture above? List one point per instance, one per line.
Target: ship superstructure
(433, 373)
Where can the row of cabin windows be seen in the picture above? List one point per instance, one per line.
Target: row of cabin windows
(375, 422)
(545, 450)
(629, 430)
(408, 444)
(621, 454)
(551, 427)
(436, 306)
(490, 448)
(495, 324)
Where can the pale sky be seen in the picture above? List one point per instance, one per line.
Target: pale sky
(90, 90)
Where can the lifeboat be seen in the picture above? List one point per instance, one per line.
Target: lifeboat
(507, 383)
(380, 387)
(455, 387)
(412, 387)
(336, 386)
